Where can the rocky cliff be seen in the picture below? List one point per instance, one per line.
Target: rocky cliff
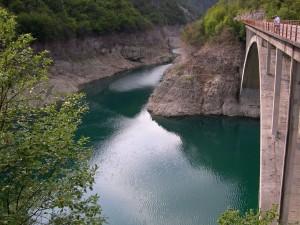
(206, 82)
(80, 61)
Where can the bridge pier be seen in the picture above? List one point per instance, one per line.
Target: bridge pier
(276, 98)
(290, 193)
(269, 48)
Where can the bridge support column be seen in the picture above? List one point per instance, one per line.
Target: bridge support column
(290, 192)
(277, 85)
(269, 47)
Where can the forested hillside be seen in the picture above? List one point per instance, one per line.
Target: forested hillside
(224, 12)
(48, 19)
(172, 11)
(62, 19)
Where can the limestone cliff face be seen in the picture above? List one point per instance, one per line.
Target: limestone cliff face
(206, 82)
(80, 61)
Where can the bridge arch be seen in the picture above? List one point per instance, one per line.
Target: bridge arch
(252, 68)
(250, 87)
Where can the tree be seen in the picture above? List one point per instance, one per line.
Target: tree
(44, 170)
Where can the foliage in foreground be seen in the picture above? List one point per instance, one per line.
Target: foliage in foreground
(234, 217)
(44, 172)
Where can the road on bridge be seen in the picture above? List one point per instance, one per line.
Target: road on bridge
(289, 29)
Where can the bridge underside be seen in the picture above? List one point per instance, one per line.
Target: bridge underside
(279, 181)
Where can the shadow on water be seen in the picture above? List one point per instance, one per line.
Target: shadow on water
(226, 146)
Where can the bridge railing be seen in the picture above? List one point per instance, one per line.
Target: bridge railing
(288, 29)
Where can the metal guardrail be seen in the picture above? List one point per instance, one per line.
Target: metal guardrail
(288, 29)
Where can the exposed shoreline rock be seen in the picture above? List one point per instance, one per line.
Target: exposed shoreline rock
(207, 82)
(81, 61)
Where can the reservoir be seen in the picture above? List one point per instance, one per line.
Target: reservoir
(159, 171)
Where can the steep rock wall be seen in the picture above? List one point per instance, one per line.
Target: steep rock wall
(207, 82)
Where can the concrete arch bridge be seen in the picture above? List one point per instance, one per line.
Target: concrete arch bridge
(271, 76)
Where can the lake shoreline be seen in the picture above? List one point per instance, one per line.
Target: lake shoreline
(81, 61)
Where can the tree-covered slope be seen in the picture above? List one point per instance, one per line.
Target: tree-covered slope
(161, 11)
(172, 11)
(224, 12)
(60, 19)
(53, 19)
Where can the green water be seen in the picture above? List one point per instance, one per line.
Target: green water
(167, 171)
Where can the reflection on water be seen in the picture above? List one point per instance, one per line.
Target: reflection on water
(167, 171)
(139, 79)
